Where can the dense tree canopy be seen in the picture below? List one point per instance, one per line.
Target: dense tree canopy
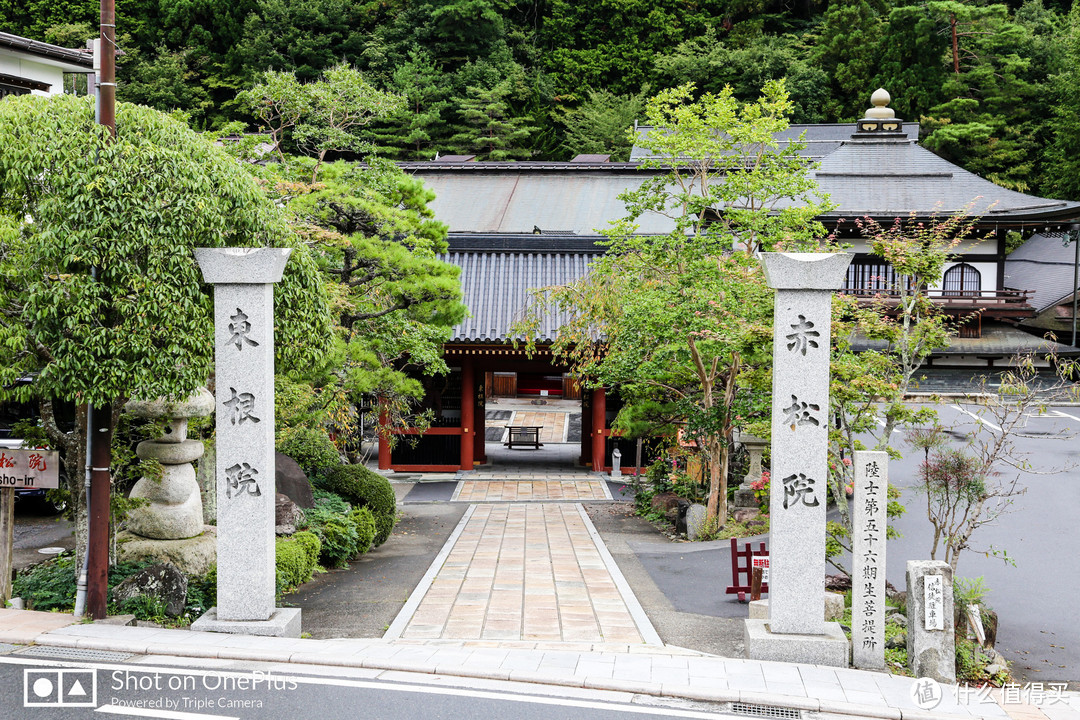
(988, 81)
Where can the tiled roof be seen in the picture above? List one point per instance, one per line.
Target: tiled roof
(885, 177)
(496, 289)
(1044, 265)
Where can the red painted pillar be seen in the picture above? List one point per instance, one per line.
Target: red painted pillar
(468, 412)
(599, 420)
(586, 429)
(384, 440)
(479, 451)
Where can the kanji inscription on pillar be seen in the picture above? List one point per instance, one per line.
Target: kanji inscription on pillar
(804, 284)
(243, 280)
(868, 522)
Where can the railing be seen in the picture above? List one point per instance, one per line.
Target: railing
(1006, 300)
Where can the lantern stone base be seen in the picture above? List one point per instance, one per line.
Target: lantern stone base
(829, 649)
(194, 555)
(285, 622)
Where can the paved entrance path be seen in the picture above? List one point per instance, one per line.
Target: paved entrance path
(524, 572)
(530, 490)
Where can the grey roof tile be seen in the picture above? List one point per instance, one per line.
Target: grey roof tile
(496, 285)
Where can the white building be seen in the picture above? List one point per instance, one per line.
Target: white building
(29, 66)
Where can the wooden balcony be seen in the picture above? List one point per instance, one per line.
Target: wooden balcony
(993, 304)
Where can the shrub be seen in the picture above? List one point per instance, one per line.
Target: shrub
(365, 529)
(49, 585)
(339, 541)
(365, 488)
(313, 450)
(295, 559)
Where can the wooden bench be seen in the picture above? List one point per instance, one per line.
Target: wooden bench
(524, 436)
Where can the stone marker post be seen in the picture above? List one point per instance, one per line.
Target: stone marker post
(868, 560)
(804, 284)
(243, 281)
(931, 647)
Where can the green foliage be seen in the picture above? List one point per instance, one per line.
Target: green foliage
(365, 528)
(365, 488)
(49, 585)
(343, 531)
(157, 192)
(296, 558)
(601, 124)
(685, 318)
(313, 450)
(489, 130)
(395, 302)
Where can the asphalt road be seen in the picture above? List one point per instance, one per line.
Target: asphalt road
(34, 530)
(38, 688)
(1036, 593)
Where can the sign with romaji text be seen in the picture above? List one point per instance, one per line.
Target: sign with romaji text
(29, 469)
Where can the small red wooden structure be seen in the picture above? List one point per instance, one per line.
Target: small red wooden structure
(741, 567)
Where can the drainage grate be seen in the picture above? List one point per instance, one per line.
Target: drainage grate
(5, 648)
(45, 651)
(765, 711)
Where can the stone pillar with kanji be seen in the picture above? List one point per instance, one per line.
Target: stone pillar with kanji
(243, 280)
(796, 630)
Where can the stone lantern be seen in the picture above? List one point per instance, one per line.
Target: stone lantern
(744, 495)
(174, 510)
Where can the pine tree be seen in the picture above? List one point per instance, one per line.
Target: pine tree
(490, 130)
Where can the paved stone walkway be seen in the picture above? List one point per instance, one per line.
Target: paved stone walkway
(554, 425)
(525, 572)
(530, 490)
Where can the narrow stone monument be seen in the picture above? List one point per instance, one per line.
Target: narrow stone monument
(930, 644)
(868, 559)
(796, 630)
(243, 281)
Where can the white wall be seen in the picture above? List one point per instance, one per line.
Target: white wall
(988, 271)
(25, 66)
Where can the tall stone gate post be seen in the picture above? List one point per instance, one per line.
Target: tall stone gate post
(243, 280)
(796, 630)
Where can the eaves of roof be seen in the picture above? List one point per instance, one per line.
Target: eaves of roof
(47, 50)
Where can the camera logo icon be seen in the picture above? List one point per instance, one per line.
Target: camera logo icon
(59, 688)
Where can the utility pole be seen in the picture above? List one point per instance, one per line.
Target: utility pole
(100, 427)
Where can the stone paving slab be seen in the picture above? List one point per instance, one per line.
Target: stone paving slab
(481, 591)
(480, 491)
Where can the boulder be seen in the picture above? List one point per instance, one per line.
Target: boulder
(162, 581)
(837, 583)
(695, 520)
(292, 481)
(896, 642)
(834, 606)
(744, 515)
(896, 619)
(286, 515)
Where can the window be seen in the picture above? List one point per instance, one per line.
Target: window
(870, 275)
(961, 279)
